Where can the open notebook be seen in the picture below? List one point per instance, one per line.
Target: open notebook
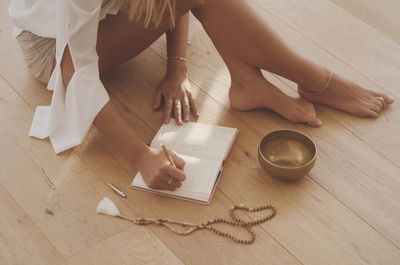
(204, 148)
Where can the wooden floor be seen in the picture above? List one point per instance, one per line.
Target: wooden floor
(346, 211)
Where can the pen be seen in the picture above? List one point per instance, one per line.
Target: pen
(118, 191)
(168, 155)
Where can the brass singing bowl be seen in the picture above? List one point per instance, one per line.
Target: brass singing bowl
(287, 154)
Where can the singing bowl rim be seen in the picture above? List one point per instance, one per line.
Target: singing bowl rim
(312, 160)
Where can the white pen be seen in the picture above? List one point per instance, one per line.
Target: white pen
(118, 191)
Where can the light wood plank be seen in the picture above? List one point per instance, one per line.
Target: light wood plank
(383, 15)
(310, 218)
(100, 157)
(379, 133)
(244, 163)
(21, 242)
(69, 245)
(204, 57)
(62, 206)
(329, 135)
(359, 45)
(133, 246)
(217, 84)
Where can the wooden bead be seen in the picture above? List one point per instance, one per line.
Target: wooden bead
(234, 221)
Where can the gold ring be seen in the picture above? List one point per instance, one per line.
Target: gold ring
(170, 181)
(185, 100)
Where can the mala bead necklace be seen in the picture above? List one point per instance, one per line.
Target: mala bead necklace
(106, 206)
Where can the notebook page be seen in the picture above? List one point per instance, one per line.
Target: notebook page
(196, 139)
(201, 176)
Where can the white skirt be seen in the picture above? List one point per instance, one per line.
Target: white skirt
(39, 52)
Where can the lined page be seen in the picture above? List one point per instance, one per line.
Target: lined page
(201, 177)
(196, 139)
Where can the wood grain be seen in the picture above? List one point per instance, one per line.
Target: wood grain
(382, 15)
(21, 242)
(371, 186)
(241, 152)
(344, 212)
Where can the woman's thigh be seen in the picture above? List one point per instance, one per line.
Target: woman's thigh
(120, 39)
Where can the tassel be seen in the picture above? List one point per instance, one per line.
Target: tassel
(106, 206)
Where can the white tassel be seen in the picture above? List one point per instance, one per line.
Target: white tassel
(106, 206)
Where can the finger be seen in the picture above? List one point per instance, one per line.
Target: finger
(164, 186)
(157, 99)
(179, 162)
(167, 111)
(315, 122)
(193, 105)
(176, 173)
(186, 108)
(178, 112)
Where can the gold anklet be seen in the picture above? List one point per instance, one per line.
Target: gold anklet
(320, 91)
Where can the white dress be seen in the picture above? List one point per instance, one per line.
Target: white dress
(73, 23)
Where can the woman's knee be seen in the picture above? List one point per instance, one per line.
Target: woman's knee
(184, 6)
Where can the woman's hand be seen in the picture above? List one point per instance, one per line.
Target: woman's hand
(174, 90)
(157, 172)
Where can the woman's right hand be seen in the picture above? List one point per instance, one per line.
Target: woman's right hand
(157, 172)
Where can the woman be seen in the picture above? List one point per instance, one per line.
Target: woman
(90, 36)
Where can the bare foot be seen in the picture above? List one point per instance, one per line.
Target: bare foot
(346, 96)
(257, 92)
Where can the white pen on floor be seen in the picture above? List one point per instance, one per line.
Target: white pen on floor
(118, 191)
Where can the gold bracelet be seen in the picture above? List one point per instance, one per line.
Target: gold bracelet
(321, 91)
(177, 58)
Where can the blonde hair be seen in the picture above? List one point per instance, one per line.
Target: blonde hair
(151, 11)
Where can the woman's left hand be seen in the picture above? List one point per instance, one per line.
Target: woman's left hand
(174, 89)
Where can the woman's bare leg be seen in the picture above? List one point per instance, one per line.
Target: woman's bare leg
(250, 90)
(245, 42)
(120, 39)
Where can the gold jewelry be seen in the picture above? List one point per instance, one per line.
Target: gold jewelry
(177, 58)
(170, 181)
(177, 102)
(185, 100)
(320, 91)
(235, 221)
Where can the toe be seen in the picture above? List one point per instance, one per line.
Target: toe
(382, 102)
(371, 113)
(379, 104)
(376, 107)
(387, 99)
(315, 123)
